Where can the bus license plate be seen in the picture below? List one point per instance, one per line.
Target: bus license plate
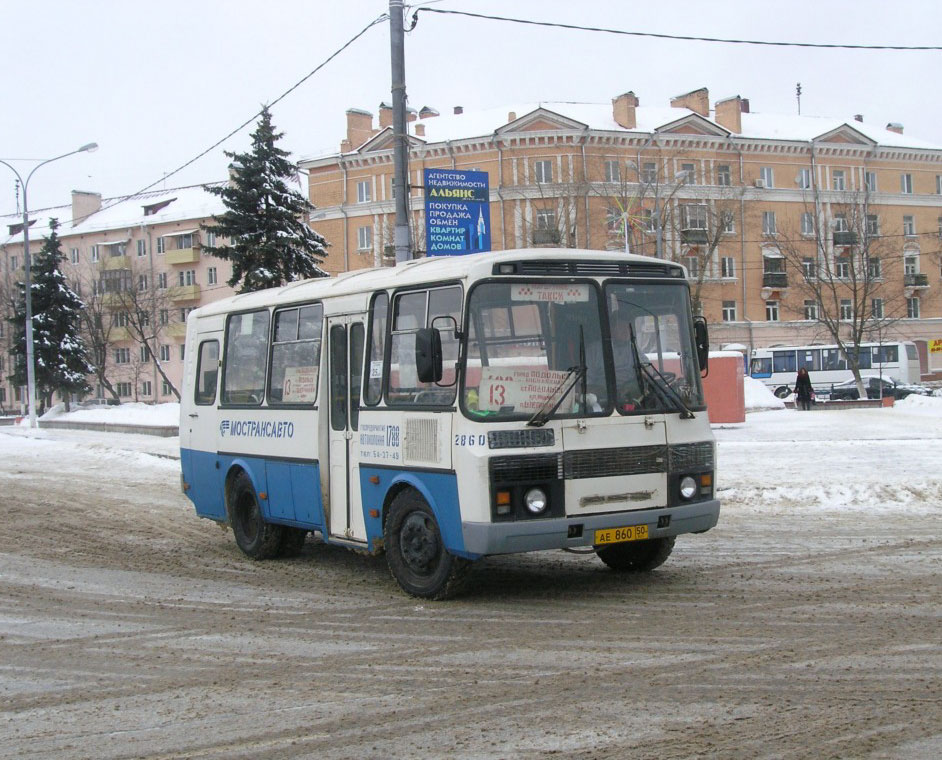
(617, 535)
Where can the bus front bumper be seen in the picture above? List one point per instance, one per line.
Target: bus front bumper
(562, 533)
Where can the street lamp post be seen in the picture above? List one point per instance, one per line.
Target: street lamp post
(30, 365)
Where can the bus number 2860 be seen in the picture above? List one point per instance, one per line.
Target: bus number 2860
(470, 440)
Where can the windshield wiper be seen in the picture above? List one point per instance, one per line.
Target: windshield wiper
(573, 375)
(662, 387)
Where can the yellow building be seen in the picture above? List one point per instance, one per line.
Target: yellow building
(781, 220)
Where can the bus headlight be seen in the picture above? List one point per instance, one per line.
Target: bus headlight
(535, 501)
(688, 487)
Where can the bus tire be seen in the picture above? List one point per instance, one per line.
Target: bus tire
(256, 538)
(415, 552)
(782, 391)
(636, 556)
(292, 541)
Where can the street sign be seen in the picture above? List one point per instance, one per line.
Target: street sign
(457, 214)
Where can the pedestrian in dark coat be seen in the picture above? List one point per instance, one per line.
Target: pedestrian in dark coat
(803, 390)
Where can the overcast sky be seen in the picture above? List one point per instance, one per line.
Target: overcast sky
(156, 84)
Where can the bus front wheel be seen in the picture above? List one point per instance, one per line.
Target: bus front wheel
(782, 391)
(255, 537)
(415, 552)
(636, 556)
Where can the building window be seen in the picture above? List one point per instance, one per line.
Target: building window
(122, 356)
(870, 178)
(120, 319)
(909, 225)
(210, 239)
(766, 176)
(773, 264)
(75, 255)
(910, 265)
(647, 220)
(185, 312)
(938, 184)
(873, 225)
(124, 389)
(689, 173)
(186, 277)
(693, 267)
(768, 222)
(840, 223)
(182, 351)
(612, 171)
(164, 316)
(874, 269)
(912, 308)
(842, 268)
(804, 179)
(364, 238)
(807, 223)
(837, 180)
(161, 245)
(94, 252)
(165, 388)
(771, 311)
(141, 248)
(847, 310)
(165, 353)
(906, 184)
(729, 222)
(811, 311)
(729, 311)
(649, 172)
(145, 354)
(211, 276)
(614, 220)
(543, 171)
(162, 280)
(694, 216)
(364, 192)
(723, 176)
(147, 388)
(728, 266)
(876, 308)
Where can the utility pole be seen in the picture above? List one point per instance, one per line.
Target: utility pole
(401, 237)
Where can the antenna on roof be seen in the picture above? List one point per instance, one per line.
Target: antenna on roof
(798, 96)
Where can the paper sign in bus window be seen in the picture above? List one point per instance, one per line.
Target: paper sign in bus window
(572, 293)
(524, 390)
(300, 385)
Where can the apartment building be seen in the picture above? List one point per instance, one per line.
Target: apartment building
(135, 261)
(756, 205)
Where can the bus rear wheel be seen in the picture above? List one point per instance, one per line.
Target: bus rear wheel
(415, 551)
(782, 391)
(255, 537)
(636, 556)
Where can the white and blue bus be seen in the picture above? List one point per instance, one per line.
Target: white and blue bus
(452, 408)
(777, 366)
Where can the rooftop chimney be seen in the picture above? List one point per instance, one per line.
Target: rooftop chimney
(420, 130)
(623, 110)
(385, 115)
(359, 127)
(729, 113)
(459, 110)
(427, 112)
(858, 117)
(411, 114)
(895, 126)
(697, 101)
(84, 205)
(511, 116)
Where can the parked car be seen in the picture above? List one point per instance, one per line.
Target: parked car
(847, 391)
(97, 403)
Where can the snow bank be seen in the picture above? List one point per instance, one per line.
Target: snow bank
(759, 397)
(123, 414)
(928, 406)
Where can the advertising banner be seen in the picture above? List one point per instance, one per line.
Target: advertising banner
(457, 214)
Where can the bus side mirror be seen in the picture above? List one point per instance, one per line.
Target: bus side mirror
(428, 354)
(702, 339)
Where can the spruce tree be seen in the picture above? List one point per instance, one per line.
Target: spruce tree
(59, 353)
(270, 243)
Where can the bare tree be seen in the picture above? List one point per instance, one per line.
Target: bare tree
(96, 329)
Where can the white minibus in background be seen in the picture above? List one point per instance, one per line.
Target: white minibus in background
(777, 366)
(452, 408)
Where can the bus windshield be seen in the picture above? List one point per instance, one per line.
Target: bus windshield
(526, 338)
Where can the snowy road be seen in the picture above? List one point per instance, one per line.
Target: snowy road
(807, 624)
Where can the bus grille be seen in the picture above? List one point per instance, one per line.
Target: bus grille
(520, 439)
(603, 463)
(533, 468)
(594, 268)
(692, 456)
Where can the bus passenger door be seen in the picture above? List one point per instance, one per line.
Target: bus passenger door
(345, 367)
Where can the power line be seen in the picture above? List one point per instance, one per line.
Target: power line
(681, 37)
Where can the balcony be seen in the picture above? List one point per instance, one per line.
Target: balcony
(113, 300)
(546, 237)
(184, 293)
(695, 236)
(175, 330)
(775, 280)
(115, 262)
(845, 237)
(183, 256)
(916, 280)
(118, 334)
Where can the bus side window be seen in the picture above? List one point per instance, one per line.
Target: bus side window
(207, 371)
(377, 341)
(246, 358)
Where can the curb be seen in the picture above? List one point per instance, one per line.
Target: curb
(164, 431)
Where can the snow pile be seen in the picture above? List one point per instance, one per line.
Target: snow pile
(124, 414)
(929, 406)
(759, 397)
